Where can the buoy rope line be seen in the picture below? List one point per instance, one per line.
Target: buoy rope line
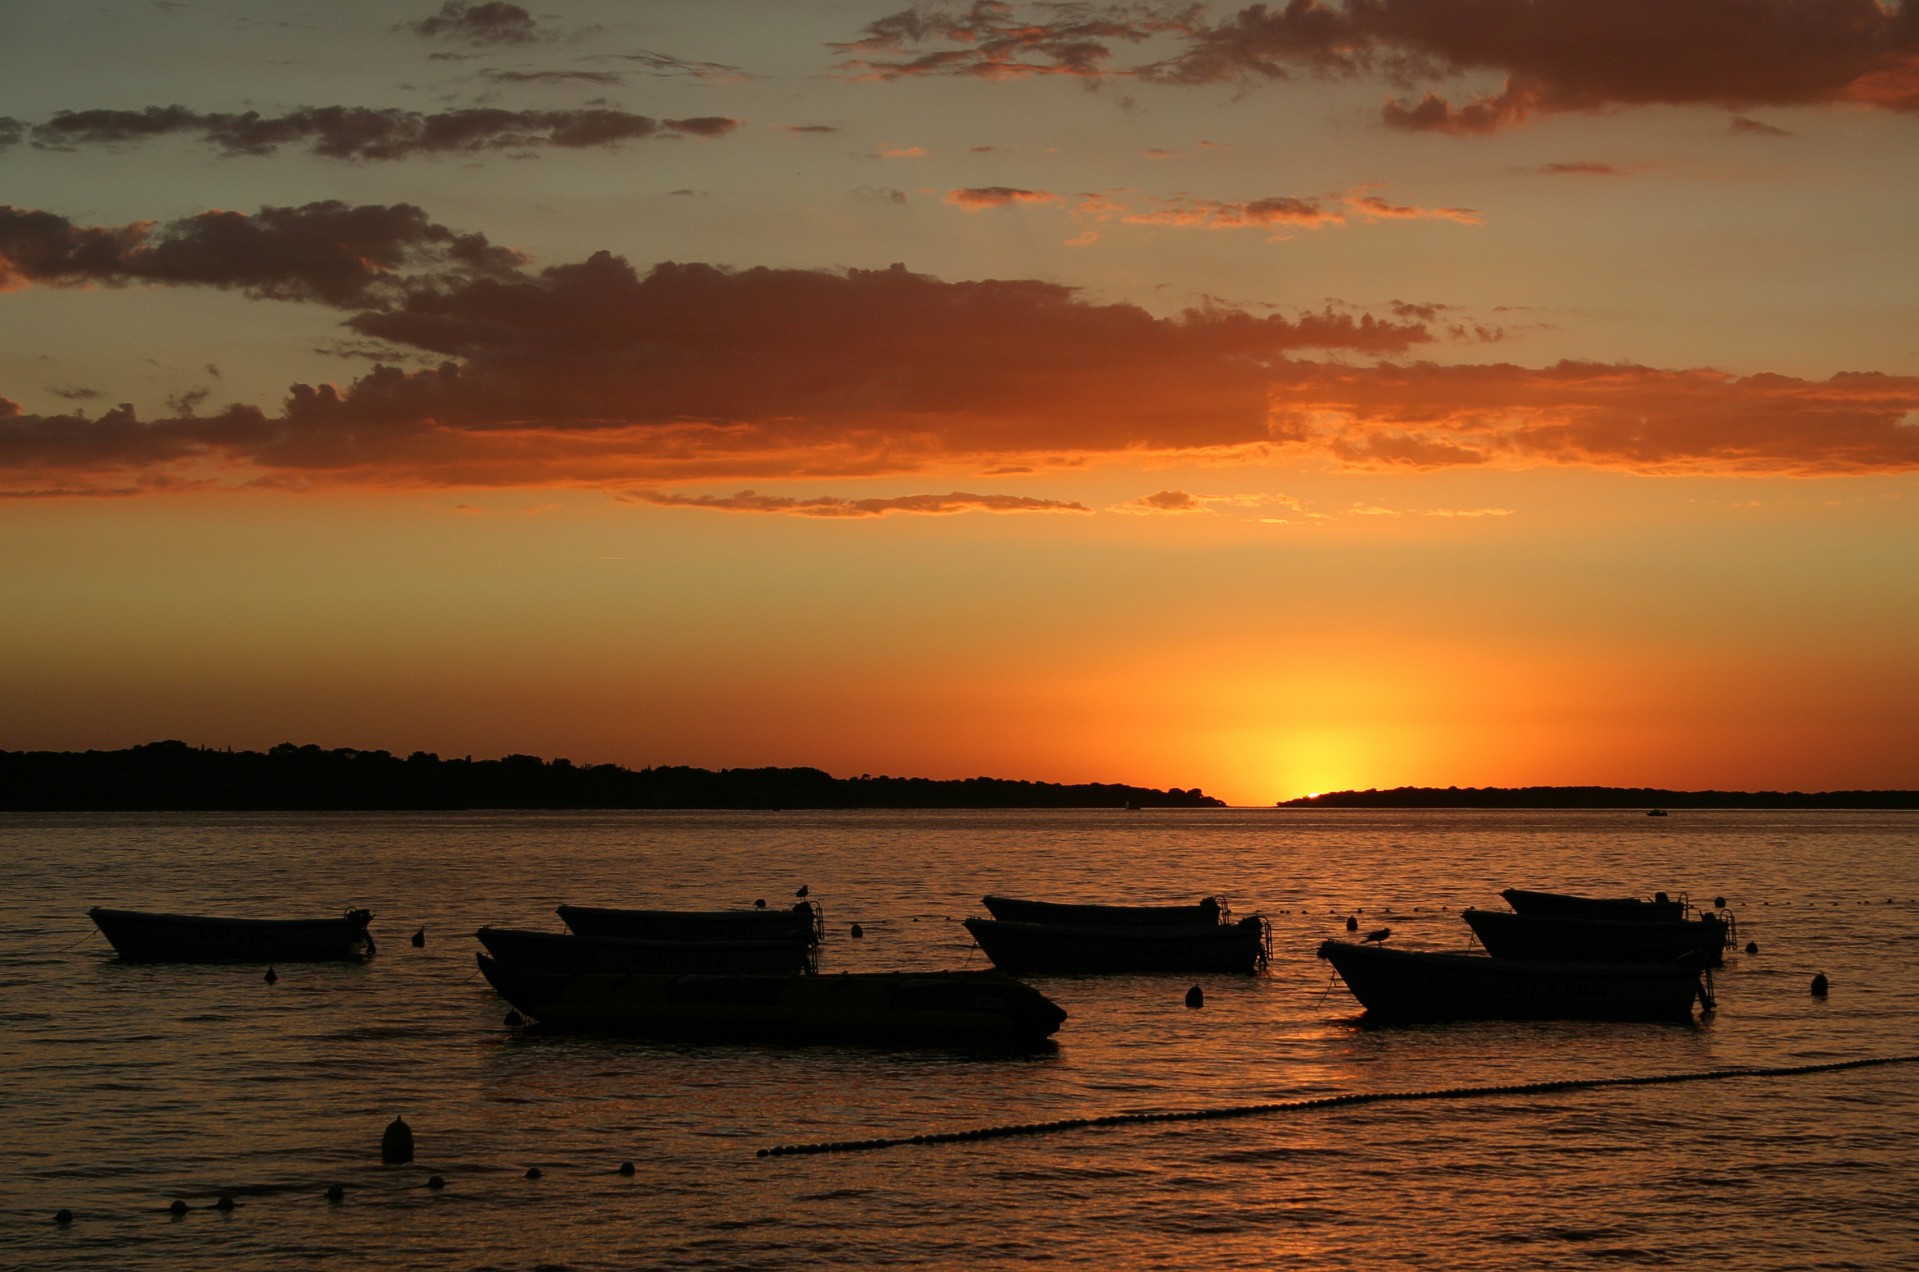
(1322, 1102)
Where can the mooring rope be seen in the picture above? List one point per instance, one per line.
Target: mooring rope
(1322, 1102)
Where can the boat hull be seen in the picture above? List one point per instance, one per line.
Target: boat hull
(1020, 948)
(1571, 940)
(1016, 910)
(1411, 985)
(143, 936)
(1565, 906)
(802, 922)
(570, 952)
(886, 1008)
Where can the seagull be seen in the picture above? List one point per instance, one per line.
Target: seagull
(801, 894)
(1379, 936)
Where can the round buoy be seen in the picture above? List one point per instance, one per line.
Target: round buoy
(1819, 986)
(178, 1208)
(63, 1215)
(419, 939)
(396, 1144)
(335, 1193)
(856, 932)
(436, 1182)
(225, 1202)
(532, 1172)
(759, 903)
(271, 975)
(514, 1019)
(1719, 903)
(626, 1168)
(1752, 947)
(1352, 923)
(1195, 997)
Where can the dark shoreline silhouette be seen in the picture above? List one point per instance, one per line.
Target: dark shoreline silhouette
(166, 776)
(1644, 797)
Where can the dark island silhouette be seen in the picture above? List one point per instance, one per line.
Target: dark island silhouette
(164, 776)
(1643, 797)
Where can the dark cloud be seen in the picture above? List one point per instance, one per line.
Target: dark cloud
(811, 128)
(668, 66)
(1579, 169)
(12, 132)
(1741, 124)
(487, 23)
(1555, 55)
(997, 196)
(366, 133)
(834, 506)
(607, 79)
(330, 252)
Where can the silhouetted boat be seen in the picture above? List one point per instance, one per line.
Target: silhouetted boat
(1655, 812)
(1412, 985)
(803, 922)
(1019, 948)
(1208, 911)
(147, 937)
(570, 952)
(1565, 906)
(889, 1008)
(1574, 940)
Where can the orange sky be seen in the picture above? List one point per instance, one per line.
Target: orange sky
(1274, 400)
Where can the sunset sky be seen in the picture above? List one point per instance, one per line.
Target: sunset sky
(1273, 400)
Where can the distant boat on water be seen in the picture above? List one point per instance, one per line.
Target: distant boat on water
(145, 936)
(1051, 936)
(886, 1008)
(1557, 938)
(571, 952)
(1567, 906)
(1414, 985)
(1655, 812)
(804, 922)
(1207, 911)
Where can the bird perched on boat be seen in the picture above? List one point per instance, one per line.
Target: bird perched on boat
(1378, 937)
(801, 894)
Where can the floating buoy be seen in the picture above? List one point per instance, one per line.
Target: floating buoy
(225, 1202)
(856, 932)
(335, 1193)
(1752, 947)
(532, 1172)
(626, 1168)
(63, 1216)
(436, 1182)
(1719, 903)
(1819, 985)
(1195, 997)
(178, 1208)
(760, 903)
(1352, 923)
(271, 975)
(419, 939)
(396, 1144)
(514, 1019)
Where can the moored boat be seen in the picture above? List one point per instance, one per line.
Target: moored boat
(1210, 910)
(145, 936)
(803, 921)
(1415, 985)
(888, 1008)
(1565, 905)
(1019, 948)
(571, 952)
(1558, 939)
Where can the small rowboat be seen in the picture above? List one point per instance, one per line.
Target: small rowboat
(569, 952)
(1568, 940)
(887, 1008)
(1019, 948)
(1013, 910)
(1414, 985)
(1565, 906)
(803, 922)
(146, 937)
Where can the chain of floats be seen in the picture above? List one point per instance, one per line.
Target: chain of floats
(1321, 1102)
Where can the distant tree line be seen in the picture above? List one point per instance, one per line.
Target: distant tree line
(173, 775)
(1598, 797)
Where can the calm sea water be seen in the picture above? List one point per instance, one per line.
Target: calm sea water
(129, 1086)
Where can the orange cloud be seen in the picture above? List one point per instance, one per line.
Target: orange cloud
(835, 506)
(978, 197)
